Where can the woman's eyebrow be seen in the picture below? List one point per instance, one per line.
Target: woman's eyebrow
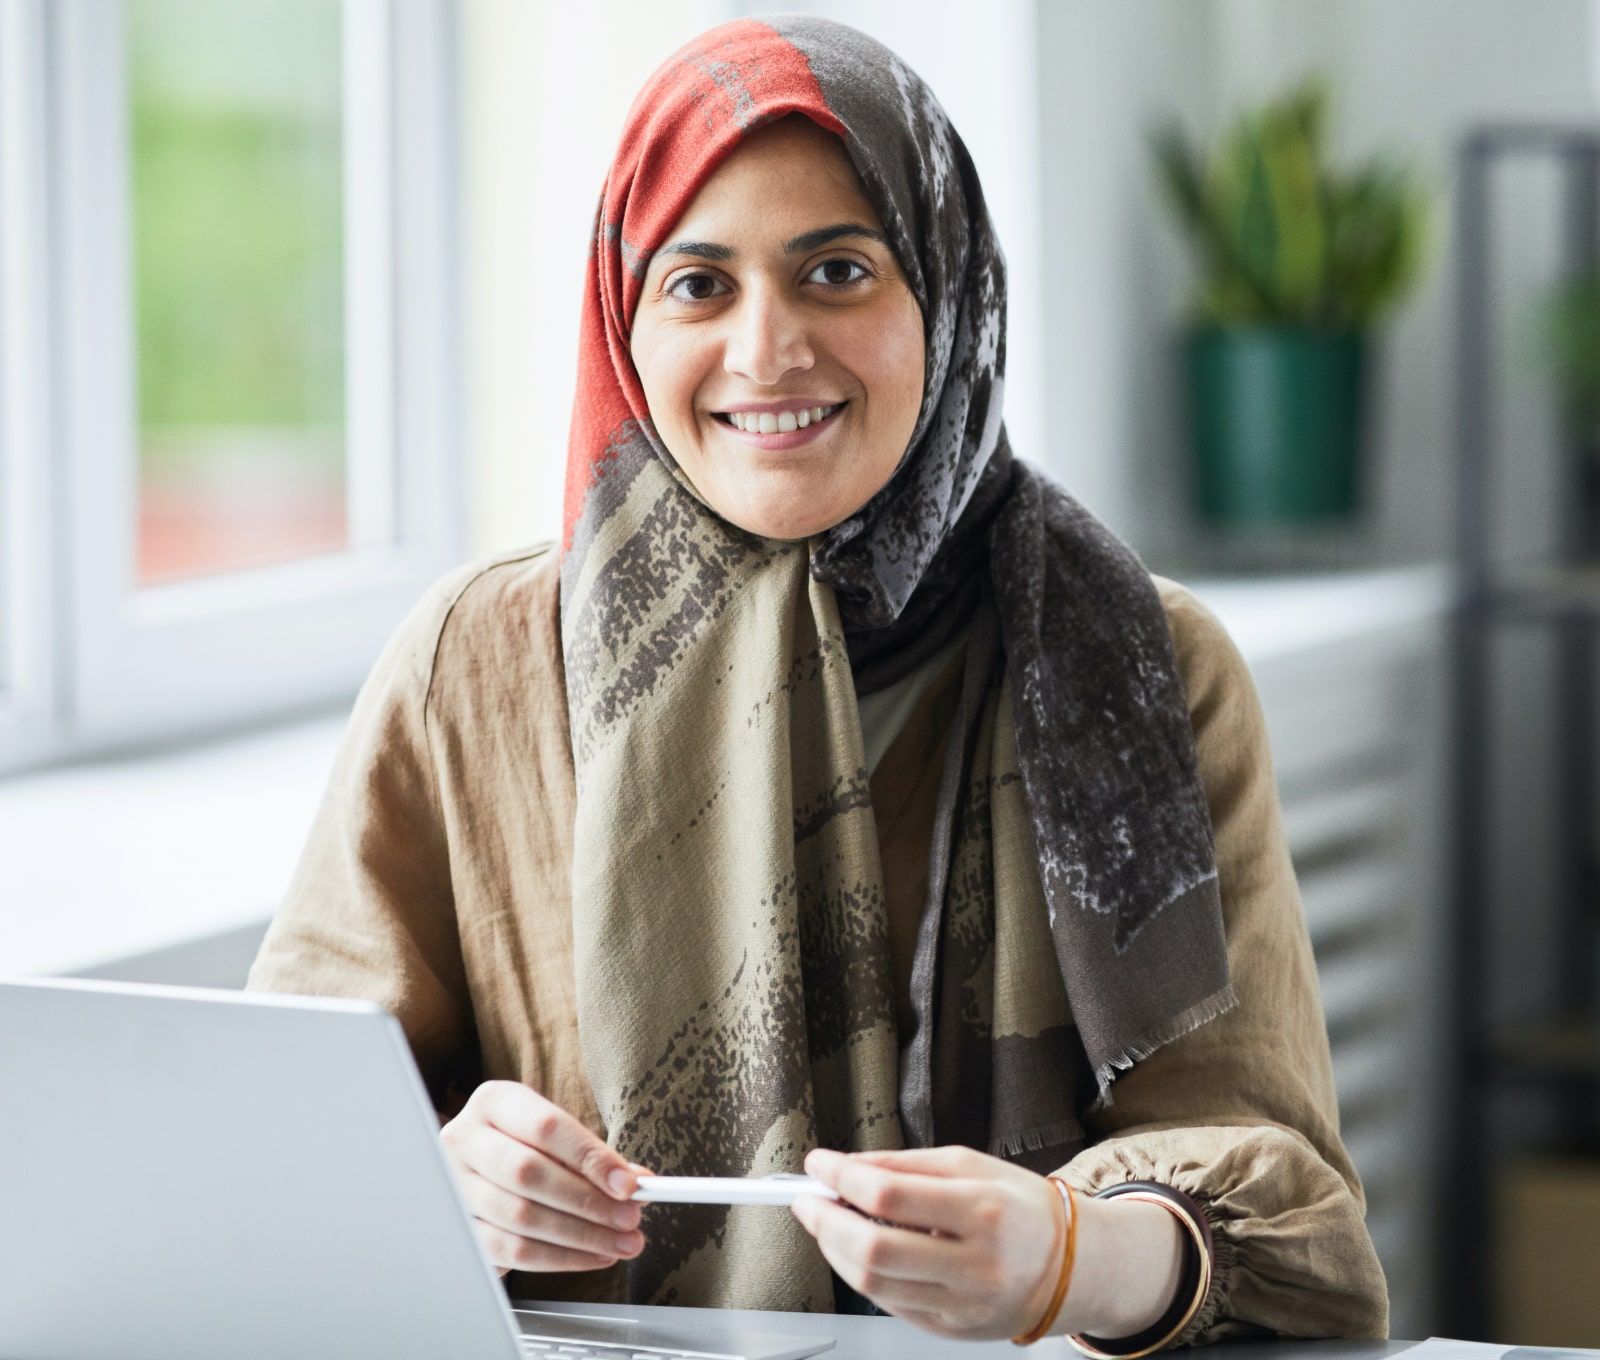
(703, 250)
(810, 240)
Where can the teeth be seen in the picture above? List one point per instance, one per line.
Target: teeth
(782, 422)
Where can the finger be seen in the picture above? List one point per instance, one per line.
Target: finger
(538, 1222)
(889, 1292)
(525, 1171)
(954, 1161)
(897, 1296)
(524, 1114)
(879, 1254)
(509, 1251)
(912, 1200)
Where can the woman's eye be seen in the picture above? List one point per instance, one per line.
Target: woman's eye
(838, 273)
(696, 287)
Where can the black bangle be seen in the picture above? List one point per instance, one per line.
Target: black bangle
(1194, 1270)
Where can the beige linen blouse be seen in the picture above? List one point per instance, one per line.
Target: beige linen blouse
(436, 883)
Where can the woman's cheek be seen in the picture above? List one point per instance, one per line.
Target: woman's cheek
(671, 375)
(892, 352)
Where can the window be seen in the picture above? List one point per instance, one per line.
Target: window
(236, 160)
(228, 446)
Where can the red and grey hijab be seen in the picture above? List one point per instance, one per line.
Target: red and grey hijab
(735, 1002)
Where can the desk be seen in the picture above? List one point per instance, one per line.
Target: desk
(886, 1338)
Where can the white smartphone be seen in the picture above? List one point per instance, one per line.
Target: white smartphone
(782, 1188)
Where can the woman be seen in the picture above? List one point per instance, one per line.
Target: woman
(840, 795)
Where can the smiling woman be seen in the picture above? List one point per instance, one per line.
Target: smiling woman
(841, 796)
(780, 348)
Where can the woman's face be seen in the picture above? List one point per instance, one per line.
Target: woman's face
(779, 347)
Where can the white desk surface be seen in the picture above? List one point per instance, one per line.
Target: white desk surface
(886, 1338)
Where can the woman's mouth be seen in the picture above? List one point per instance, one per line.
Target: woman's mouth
(771, 425)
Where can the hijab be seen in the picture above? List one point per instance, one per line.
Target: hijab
(734, 993)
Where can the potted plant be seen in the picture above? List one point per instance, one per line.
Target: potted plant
(1297, 263)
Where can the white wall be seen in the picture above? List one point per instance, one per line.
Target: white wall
(1113, 273)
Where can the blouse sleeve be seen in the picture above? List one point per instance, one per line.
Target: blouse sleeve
(370, 913)
(1240, 1113)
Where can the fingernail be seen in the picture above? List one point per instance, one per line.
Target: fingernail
(626, 1216)
(618, 1181)
(627, 1244)
(822, 1157)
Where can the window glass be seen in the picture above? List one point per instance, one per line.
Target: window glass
(237, 207)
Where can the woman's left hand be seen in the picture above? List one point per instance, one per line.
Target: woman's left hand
(975, 1249)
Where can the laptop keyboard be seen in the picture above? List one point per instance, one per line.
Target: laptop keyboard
(534, 1346)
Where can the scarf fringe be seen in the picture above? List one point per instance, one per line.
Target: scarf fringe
(1218, 1003)
(1037, 1138)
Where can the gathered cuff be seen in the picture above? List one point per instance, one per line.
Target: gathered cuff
(1223, 1260)
(1291, 1255)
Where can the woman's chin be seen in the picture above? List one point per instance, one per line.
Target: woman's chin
(792, 516)
(792, 524)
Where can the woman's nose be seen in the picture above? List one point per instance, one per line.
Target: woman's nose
(767, 339)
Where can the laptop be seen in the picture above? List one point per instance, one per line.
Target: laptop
(189, 1173)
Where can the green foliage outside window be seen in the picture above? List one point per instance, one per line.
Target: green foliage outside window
(238, 217)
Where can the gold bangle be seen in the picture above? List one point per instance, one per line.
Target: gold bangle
(1202, 1287)
(1068, 1221)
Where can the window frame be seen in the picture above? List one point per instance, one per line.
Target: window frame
(133, 664)
(28, 702)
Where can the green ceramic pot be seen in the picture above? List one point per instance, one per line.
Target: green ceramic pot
(1276, 414)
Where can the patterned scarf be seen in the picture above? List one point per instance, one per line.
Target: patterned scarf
(734, 981)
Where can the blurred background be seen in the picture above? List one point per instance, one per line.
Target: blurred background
(1305, 303)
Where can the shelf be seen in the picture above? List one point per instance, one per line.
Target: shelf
(1535, 593)
(1561, 138)
(1555, 1051)
(1559, 1049)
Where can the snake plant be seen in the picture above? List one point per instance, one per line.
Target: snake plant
(1284, 238)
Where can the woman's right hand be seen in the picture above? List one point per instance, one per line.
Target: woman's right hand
(545, 1193)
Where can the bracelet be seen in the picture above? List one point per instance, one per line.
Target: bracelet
(1067, 1227)
(1193, 1284)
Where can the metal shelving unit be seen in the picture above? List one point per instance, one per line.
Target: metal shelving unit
(1528, 1085)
